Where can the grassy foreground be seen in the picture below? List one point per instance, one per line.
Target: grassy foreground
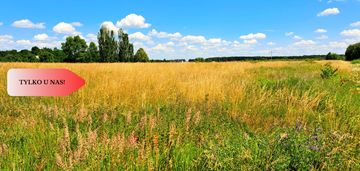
(187, 116)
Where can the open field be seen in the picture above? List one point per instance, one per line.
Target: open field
(187, 116)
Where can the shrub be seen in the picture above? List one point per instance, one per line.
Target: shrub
(328, 71)
(333, 56)
(357, 61)
(353, 52)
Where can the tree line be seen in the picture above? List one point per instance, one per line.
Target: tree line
(111, 48)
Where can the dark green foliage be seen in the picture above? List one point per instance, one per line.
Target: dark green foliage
(108, 47)
(333, 56)
(92, 53)
(328, 71)
(353, 52)
(126, 49)
(141, 56)
(73, 48)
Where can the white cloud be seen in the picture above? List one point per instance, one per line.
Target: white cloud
(23, 42)
(41, 37)
(251, 41)
(1, 23)
(297, 37)
(5, 38)
(109, 26)
(193, 39)
(133, 21)
(76, 24)
(271, 43)
(157, 34)
(304, 43)
(25, 23)
(289, 33)
(139, 36)
(320, 30)
(351, 33)
(215, 41)
(355, 24)
(329, 11)
(163, 47)
(253, 36)
(65, 28)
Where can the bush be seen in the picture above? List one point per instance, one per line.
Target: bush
(333, 56)
(357, 61)
(328, 71)
(353, 52)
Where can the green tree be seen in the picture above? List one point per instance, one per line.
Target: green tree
(141, 56)
(93, 53)
(333, 56)
(353, 52)
(108, 47)
(73, 47)
(46, 55)
(126, 49)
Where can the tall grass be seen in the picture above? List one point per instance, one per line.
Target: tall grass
(187, 116)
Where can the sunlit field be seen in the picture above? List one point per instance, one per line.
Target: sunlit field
(188, 116)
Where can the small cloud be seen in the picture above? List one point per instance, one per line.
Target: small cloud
(76, 24)
(109, 26)
(297, 37)
(320, 30)
(25, 23)
(215, 41)
(23, 42)
(65, 28)
(1, 23)
(351, 33)
(252, 36)
(355, 24)
(133, 21)
(250, 41)
(271, 43)
(194, 39)
(329, 11)
(289, 33)
(304, 43)
(139, 36)
(41, 37)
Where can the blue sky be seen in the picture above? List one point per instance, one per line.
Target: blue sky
(187, 29)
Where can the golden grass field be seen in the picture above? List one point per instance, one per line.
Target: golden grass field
(187, 116)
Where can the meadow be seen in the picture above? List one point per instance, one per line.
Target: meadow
(279, 115)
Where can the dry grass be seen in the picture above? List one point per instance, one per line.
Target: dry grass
(164, 116)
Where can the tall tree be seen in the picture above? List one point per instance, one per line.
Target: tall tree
(108, 47)
(141, 56)
(126, 49)
(92, 53)
(74, 47)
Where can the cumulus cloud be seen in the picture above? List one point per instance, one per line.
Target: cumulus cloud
(65, 28)
(320, 30)
(351, 33)
(41, 37)
(193, 39)
(355, 24)
(76, 24)
(133, 21)
(164, 47)
(139, 36)
(23, 42)
(304, 43)
(25, 23)
(109, 26)
(255, 36)
(157, 34)
(215, 41)
(250, 41)
(5, 38)
(329, 11)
